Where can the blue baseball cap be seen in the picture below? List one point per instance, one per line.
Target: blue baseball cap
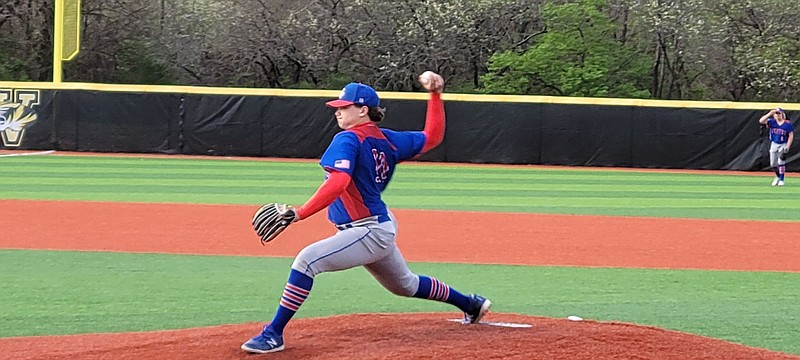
(358, 94)
(779, 110)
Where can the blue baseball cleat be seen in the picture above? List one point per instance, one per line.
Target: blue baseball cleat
(478, 307)
(265, 342)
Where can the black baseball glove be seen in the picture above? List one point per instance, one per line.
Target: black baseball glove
(784, 154)
(272, 219)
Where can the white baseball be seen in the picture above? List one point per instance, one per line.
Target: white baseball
(431, 81)
(426, 77)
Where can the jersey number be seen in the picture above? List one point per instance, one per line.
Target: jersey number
(381, 166)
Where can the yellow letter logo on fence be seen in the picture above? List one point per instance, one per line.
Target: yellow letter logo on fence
(16, 113)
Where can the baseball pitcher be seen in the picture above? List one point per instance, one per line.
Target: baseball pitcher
(359, 164)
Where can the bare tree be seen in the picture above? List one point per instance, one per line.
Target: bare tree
(700, 49)
(27, 35)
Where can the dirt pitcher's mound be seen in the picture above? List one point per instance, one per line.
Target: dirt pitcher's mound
(397, 336)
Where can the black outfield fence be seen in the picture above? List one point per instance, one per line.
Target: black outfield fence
(479, 131)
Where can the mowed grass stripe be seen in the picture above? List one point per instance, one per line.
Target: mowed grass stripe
(406, 173)
(111, 162)
(46, 294)
(168, 184)
(419, 169)
(446, 187)
(401, 182)
(417, 173)
(414, 172)
(717, 212)
(417, 196)
(220, 169)
(402, 197)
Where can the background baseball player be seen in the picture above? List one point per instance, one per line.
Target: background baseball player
(781, 135)
(359, 163)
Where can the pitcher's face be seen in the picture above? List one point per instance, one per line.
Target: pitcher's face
(351, 115)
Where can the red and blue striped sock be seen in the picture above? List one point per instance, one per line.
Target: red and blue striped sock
(781, 171)
(434, 289)
(294, 295)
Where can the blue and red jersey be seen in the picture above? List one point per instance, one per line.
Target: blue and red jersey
(779, 133)
(369, 155)
(360, 162)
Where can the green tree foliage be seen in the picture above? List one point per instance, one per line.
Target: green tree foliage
(579, 55)
(11, 68)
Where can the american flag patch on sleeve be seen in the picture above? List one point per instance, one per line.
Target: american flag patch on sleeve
(342, 164)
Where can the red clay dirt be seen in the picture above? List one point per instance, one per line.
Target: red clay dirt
(436, 236)
(429, 236)
(390, 336)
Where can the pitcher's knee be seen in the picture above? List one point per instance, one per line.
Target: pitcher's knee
(302, 263)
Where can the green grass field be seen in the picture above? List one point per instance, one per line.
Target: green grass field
(46, 292)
